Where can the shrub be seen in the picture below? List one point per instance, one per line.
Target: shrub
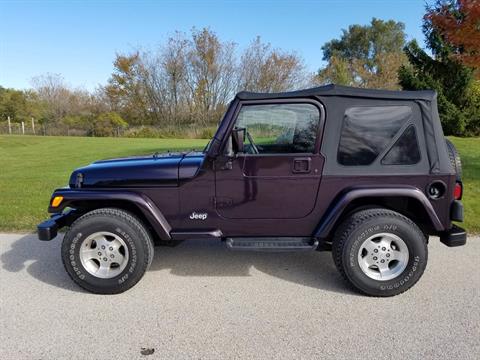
(170, 132)
(108, 124)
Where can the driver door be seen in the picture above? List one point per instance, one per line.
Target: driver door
(278, 174)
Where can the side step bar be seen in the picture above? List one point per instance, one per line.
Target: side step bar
(272, 244)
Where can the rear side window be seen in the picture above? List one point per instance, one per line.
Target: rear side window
(367, 131)
(405, 151)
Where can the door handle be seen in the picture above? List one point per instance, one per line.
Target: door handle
(301, 165)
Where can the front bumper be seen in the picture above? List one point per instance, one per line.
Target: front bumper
(456, 236)
(48, 229)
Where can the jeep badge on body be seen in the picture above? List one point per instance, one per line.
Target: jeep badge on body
(195, 216)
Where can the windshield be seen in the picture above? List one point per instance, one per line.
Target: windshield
(209, 144)
(207, 147)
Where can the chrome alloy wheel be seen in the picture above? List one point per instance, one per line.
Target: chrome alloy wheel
(383, 256)
(104, 254)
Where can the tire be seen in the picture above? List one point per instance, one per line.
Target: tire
(454, 159)
(107, 251)
(356, 254)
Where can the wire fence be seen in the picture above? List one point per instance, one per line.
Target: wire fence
(34, 128)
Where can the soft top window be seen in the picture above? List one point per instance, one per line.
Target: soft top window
(367, 132)
(280, 128)
(405, 151)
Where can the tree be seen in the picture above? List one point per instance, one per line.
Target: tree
(444, 73)
(126, 89)
(174, 61)
(265, 69)
(365, 56)
(448, 78)
(473, 109)
(13, 104)
(338, 71)
(367, 41)
(457, 21)
(211, 74)
(165, 81)
(52, 90)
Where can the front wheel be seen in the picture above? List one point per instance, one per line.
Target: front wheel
(107, 251)
(380, 252)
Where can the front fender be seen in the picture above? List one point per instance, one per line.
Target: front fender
(340, 204)
(142, 202)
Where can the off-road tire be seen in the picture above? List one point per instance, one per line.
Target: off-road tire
(454, 159)
(121, 223)
(361, 225)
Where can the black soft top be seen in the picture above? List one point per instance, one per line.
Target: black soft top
(336, 99)
(337, 90)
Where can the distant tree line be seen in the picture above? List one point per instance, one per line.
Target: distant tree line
(182, 88)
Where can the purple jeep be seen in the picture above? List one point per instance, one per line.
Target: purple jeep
(366, 174)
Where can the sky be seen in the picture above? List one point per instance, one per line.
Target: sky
(79, 39)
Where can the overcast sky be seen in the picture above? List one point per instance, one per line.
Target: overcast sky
(79, 39)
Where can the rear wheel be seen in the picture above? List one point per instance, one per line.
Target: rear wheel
(107, 251)
(380, 252)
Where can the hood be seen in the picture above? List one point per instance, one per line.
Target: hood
(138, 171)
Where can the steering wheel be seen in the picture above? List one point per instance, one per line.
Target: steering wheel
(253, 146)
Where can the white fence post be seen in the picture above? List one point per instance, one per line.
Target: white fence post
(33, 126)
(9, 125)
(23, 128)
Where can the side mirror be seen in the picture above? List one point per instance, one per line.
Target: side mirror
(238, 137)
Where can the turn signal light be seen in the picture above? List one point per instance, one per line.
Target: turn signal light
(457, 191)
(57, 200)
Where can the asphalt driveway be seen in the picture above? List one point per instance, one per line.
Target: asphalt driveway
(201, 301)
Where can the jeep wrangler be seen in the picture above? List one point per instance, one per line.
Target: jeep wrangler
(365, 174)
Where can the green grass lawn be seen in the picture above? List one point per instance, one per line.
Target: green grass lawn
(469, 149)
(31, 167)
